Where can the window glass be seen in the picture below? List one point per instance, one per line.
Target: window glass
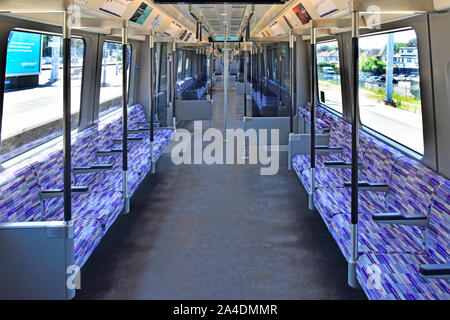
(111, 83)
(329, 78)
(180, 65)
(389, 87)
(187, 66)
(33, 99)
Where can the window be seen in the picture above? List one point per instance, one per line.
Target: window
(111, 83)
(180, 65)
(329, 78)
(187, 65)
(390, 91)
(32, 109)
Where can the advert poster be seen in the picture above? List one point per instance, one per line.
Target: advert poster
(324, 7)
(141, 14)
(188, 36)
(302, 14)
(157, 20)
(115, 7)
(173, 29)
(276, 28)
(23, 54)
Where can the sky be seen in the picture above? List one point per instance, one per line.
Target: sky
(379, 41)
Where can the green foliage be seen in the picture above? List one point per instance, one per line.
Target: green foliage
(323, 48)
(372, 65)
(326, 64)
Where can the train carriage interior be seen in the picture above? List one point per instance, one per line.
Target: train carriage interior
(237, 150)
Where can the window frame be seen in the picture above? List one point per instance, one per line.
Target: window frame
(380, 136)
(323, 105)
(104, 113)
(11, 156)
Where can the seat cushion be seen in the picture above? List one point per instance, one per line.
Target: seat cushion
(325, 178)
(397, 277)
(104, 207)
(87, 235)
(330, 202)
(375, 237)
(301, 162)
(109, 181)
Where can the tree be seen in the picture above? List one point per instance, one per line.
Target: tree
(372, 65)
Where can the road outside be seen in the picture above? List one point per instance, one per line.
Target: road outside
(400, 125)
(29, 108)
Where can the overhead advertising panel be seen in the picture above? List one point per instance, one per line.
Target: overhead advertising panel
(23, 54)
(141, 14)
(173, 29)
(276, 28)
(157, 20)
(293, 19)
(302, 14)
(324, 7)
(188, 36)
(115, 7)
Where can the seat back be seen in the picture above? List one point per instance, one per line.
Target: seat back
(378, 160)
(412, 186)
(437, 239)
(19, 195)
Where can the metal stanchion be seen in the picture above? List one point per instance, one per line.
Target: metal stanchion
(313, 117)
(125, 118)
(151, 41)
(352, 281)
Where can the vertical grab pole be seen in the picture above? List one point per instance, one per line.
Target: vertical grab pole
(211, 69)
(225, 81)
(245, 77)
(151, 41)
(352, 281)
(291, 111)
(67, 147)
(125, 118)
(313, 118)
(174, 80)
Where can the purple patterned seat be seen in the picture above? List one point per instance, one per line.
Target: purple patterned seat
(20, 202)
(411, 186)
(87, 235)
(377, 161)
(397, 276)
(376, 238)
(330, 202)
(19, 195)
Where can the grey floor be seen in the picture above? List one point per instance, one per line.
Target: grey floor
(218, 232)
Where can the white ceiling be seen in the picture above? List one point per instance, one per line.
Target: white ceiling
(214, 15)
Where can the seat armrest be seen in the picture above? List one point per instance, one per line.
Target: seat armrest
(139, 130)
(105, 153)
(400, 219)
(130, 139)
(367, 186)
(339, 164)
(327, 149)
(437, 271)
(58, 193)
(93, 169)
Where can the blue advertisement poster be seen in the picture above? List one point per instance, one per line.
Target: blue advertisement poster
(23, 54)
(141, 13)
